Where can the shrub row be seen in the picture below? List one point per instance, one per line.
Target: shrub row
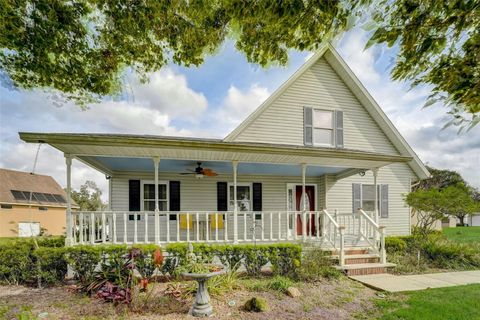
(22, 263)
(284, 258)
(435, 250)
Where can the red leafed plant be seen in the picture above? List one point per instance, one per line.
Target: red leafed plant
(158, 257)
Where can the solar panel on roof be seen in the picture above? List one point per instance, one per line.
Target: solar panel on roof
(27, 195)
(40, 196)
(50, 197)
(59, 198)
(18, 195)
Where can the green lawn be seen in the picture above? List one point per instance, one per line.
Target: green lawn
(455, 303)
(463, 234)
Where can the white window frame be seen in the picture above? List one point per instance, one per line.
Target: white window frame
(333, 128)
(379, 198)
(142, 200)
(241, 184)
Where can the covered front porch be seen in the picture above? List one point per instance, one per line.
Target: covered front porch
(259, 193)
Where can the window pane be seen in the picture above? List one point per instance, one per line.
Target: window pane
(368, 192)
(149, 205)
(162, 191)
(322, 136)
(148, 191)
(368, 205)
(162, 205)
(231, 194)
(323, 119)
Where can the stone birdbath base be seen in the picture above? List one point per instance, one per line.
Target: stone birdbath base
(202, 307)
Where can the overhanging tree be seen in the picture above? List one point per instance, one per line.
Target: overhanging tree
(89, 197)
(83, 47)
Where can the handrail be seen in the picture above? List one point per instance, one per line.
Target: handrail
(329, 216)
(341, 231)
(378, 243)
(372, 222)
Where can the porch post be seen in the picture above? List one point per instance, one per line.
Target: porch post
(156, 162)
(375, 198)
(235, 206)
(69, 239)
(304, 203)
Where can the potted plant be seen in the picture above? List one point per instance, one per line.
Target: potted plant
(200, 272)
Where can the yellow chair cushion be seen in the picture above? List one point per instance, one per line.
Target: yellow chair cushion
(213, 222)
(183, 221)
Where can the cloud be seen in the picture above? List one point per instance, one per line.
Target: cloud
(238, 104)
(168, 92)
(145, 109)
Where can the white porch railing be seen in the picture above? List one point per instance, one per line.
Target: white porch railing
(162, 227)
(198, 226)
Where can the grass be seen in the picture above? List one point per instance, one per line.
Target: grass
(463, 234)
(457, 303)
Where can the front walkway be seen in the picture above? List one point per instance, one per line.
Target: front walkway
(396, 283)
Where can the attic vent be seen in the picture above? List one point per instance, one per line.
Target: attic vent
(37, 196)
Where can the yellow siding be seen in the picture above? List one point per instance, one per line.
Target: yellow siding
(53, 220)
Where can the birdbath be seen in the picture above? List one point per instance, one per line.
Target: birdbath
(202, 307)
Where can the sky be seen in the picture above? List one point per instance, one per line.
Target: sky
(210, 100)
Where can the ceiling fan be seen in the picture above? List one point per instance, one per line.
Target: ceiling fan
(200, 172)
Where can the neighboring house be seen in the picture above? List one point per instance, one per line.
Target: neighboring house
(302, 165)
(22, 217)
(473, 220)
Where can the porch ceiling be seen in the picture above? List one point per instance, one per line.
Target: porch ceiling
(104, 152)
(221, 167)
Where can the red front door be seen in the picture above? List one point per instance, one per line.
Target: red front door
(310, 191)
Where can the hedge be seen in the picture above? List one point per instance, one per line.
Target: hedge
(22, 263)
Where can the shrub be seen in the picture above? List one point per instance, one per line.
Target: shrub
(395, 244)
(451, 255)
(16, 263)
(316, 265)
(51, 241)
(255, 258)
(84, 260)
(256, 304)
(231, 256)
(285, 259)
(51, 265)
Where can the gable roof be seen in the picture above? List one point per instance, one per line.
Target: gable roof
(28, 182)
(328, 52)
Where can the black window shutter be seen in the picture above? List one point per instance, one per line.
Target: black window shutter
(339, 129)
(133, 195)
(356, 196)
(174, 195)
(308, 125)
(257, 196)
(222, 201)
(384, 201)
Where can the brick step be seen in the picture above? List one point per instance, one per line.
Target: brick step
(365, 268)
(351, 251)
(360, 258)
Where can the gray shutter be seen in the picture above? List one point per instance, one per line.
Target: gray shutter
(384, 201)
(356, 196)
(339, 128)
(308, 125)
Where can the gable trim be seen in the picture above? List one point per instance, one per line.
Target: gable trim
(353, 83)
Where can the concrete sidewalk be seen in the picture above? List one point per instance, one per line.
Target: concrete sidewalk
(395, 283)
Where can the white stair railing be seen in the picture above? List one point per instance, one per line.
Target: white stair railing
(330, 229)
(372, 233)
